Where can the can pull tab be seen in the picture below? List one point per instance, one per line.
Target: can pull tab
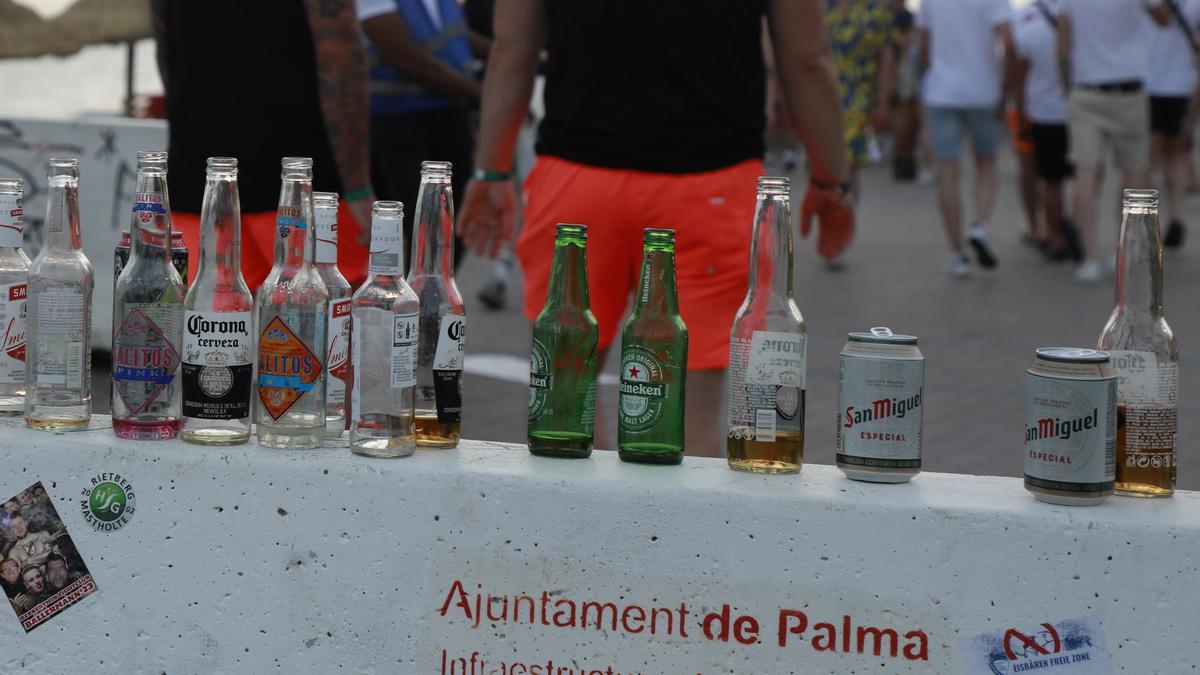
(881, 331)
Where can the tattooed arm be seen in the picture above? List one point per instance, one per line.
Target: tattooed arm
(158, 15)
(342, 77)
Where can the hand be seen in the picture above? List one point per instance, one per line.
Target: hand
(488, 215)
(835, 216)
(361, 210)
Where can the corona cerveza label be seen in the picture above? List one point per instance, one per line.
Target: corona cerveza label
(642, 390)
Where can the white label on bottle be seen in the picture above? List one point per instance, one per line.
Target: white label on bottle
(404, 351)
(764, 412)
(451, 343)
(356, 385)
(327, 234)
(12, 331)
(776, 358)
(1141, 378)
(217, 366)
(338, 352)
(12, 226)
(63, 323)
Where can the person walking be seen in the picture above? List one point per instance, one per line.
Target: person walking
(654, 116)
(1104, 54)
(1171, 83)
(963, 92)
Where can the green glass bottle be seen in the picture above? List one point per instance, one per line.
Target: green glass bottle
(563, 356)
(653, 361)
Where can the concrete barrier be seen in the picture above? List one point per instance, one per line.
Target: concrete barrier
(247, 560)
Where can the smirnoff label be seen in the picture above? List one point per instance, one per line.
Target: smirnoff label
(766, 386)
(144, 356)
(880, 410)
(338, 353)
(404, 350)
(12, 221)
(327, 235)
(643, 391)
(541, 380)
(287, 368)
(1070, 432)
(12, 330)
(217, 365)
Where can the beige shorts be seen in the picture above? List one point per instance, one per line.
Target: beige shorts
(1099, 119)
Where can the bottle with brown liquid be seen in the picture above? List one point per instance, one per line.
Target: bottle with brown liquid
(1145, 356)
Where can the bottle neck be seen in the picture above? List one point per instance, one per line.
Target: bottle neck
(12, 225)
(656, 289)
(295, 236)
(771, 247)
(221, 227)
(327, 235)
(568, 277)
(62, 214)
(433, 240)
(150, 224)
(387, 249)
(1139, 287)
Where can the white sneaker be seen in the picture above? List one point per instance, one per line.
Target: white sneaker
(1088, 272)
(981, 241)
(959, 267)
(925, 178)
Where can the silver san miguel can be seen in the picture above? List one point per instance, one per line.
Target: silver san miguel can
(880, 397)
(1071, 426)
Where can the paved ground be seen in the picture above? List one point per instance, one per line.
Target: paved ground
(978, 335)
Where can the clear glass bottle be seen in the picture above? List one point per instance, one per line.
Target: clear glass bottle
(443, 317)
(1145, 356)
(337, 348)
(291, 307)
(386, 317)
(218, 322)
(14, 280)
(767, 347)
(148, 316)
(58, 319)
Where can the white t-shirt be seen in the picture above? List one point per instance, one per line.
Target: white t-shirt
(964, 68)
(1036, 40)
(1172, 69)
(1110, 39)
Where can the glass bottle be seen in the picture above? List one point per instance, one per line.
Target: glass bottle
(386, 316)
(291, 307)
(767, 347)
(654, 346)
(337, 348)
(1145, 356)
(218, 333)
(443, 319)
(563, 355)
(148, 316)
(14, 279)
(58, 320)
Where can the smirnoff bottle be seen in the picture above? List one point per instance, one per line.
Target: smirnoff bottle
(58, 328)
(292, 308)
(1145, 356)
(443, 318)
(337, 349)
(218, 337)
(14, 277)
(386, 313)
(766, 347)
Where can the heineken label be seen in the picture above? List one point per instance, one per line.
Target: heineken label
(12, 223)
(541, 377)
(12, 321)
(217, 365)
(404, 350)
(144, 357)
(287, 369)
(338, 353)
(642, 392)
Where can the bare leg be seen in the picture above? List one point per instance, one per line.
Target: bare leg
(1174, 167)
(704, 425)
(1086, 179)
(1052, 201)
(986, 184)
(950, 202)
(1029, 192)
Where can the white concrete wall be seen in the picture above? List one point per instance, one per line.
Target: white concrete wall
(253, 561)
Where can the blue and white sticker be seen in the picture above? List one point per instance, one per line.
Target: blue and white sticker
(1075, 646)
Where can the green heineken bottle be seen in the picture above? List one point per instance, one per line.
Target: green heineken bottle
(562, 362)
(653, 361)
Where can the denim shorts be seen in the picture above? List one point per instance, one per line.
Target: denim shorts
(947, 126)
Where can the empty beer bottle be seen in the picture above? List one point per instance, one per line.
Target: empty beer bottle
(14, 280)
(148, 316)
(218, 321)
(291, 309)
(562, 360)
(767, 347)
(1145, 356)
(654, 347)
(337, 340)
(58, 320)
(386, 318)
(443, 320)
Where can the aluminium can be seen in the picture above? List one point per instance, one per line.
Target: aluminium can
(881, 393)
(1071, 426)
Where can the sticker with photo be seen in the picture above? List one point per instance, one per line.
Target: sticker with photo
(41, 571)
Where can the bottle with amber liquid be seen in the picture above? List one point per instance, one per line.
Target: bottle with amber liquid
(1145, 356)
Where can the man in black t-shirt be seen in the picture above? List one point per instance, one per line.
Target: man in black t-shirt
(655, 118)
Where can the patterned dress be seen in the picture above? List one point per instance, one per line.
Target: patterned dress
(859, 31)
